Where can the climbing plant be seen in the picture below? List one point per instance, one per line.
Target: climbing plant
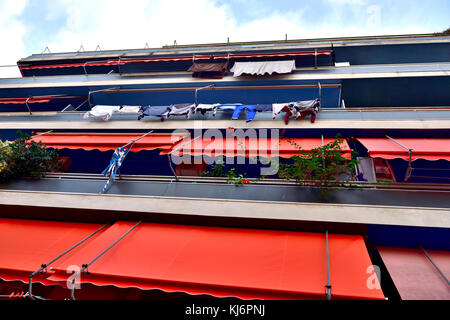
(320, 166)
(24, 158)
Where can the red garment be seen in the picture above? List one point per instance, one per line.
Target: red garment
(287, 114)
(303, 114)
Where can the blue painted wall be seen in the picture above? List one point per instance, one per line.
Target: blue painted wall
(394, 53)
(409, 237)
(396, 92)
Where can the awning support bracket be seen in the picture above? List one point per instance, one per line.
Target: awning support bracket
(197, 89)
(434, 264)
(177, 148)
(43, 268)
(28, 107)
(95, 91)
(409, 150)
(328, 285)
(85, 267)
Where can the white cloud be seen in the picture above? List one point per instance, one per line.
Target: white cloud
(115, 24)
(12, 30)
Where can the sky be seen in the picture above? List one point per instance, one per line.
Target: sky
(29, 26)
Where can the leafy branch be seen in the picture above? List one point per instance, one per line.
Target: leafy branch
(320, 166)
(24, 158)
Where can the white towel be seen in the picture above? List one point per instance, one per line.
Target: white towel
(101, 111)
(130, 109)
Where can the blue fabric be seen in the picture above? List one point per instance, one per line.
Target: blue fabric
(251, 112)
(228, 106)
(157, 111)
(115, 163)
(263, 107)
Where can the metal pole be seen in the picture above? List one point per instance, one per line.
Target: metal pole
(320, 91)
(177, 148)
(95, 91)
(37, 135)
(340, 94)
(409, 150)
(26, 103)
(197, 89)
(434, 264)
(80, 105)
(44, 266)
(315, 58)
(171, 167)
(134, 141)
(86, 266)
(298, 86)
(328, 286)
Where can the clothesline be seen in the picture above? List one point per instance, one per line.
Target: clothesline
(296, 109)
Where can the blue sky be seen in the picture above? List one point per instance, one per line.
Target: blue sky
(28, 26)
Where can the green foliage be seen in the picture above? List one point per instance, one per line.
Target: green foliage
(22, 158)
(217, 170)
(320, 167)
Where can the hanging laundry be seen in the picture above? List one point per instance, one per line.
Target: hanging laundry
(262, 67)
(114, 165)
(209, 70)
(228, 106)
(203, 108)
(184, 109)
(102, 111)
(156, 111)
(299, 109)
(250, 112)
(130, 109)
(305, 108)
(277, 108)
(263, 107)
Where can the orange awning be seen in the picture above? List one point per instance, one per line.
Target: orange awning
(252, 147)
(40, 99)
(244, 263)
(114, 62)
(427, 148)
(27, 244)
(110, 141)
(415, 276)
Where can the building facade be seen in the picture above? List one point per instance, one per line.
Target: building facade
(161, 224)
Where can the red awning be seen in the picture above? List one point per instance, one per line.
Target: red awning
(26, 244)
(252, 147)
(244, 263)
(42, 99)
(74, 65)
(414, 275)
(110, 141)
(113, 62)
(427, 148)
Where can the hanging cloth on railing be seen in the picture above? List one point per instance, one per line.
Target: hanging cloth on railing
(209, 70)
(114, 165)
(102, 111)
(262, 67)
